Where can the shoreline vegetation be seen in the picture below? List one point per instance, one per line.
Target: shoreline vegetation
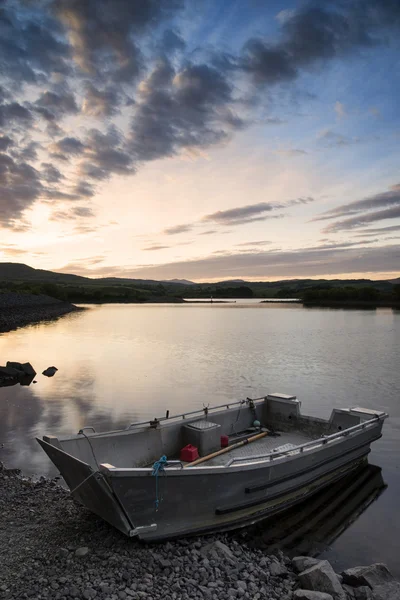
(21, 308)
(30, 295)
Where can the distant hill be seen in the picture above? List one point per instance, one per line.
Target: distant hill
(21, 272)
(18, 272)
(180, 281)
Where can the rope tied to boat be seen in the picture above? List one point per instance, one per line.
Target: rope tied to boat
(158, 467)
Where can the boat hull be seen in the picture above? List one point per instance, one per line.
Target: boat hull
(204, 500)
(235, 490)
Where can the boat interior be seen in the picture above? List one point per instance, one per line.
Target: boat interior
(277, 416)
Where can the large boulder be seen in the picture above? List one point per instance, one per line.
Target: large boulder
(9, 372)
(387, 591)
(322, 578)
(301, 563)
(310, 595)
(25, 368)
(363, 593)
(375, 575)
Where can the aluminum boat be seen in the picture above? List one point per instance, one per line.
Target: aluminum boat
(274, 457)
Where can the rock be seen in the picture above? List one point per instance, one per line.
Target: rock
(322, 578)
(372, 576)
(10, 371)
(362, 593)
(277, 570)
(387, 591)
(81, 551)
(301, 563)
(218, 550)
(164, 563)
(50, 371)
(310, 595)
(24, 368)
(349, 591)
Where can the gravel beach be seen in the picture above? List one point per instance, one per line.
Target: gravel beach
(50, 547)
(17, 310)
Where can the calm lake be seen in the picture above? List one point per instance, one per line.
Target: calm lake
(122, 363)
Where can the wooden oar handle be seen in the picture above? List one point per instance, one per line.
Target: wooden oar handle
(227, 449)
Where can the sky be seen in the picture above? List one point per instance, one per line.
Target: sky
(201, 139)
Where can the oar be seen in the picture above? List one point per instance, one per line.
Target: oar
(228, 449)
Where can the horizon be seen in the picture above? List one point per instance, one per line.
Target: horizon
(216, 281)
(206, 141)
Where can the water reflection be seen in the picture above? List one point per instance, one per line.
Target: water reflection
(311, 527)
(123, 363)
(26, 413)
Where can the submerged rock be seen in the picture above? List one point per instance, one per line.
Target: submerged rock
(50, 371)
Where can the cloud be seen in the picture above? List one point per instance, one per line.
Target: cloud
(156, 247)
(52, 105)
(178, 229)
(85, 189)
(379, 231)
(172, 41)
(50, 173)
(208, 232)
(305, 262)
(104, 34)
(14, 112)
(179, 110)
(340, 110)
(20, 186)
(31, 49)
(9, 251)
(63, 60)
(252, 212)
(291, 152)
(242, 214)
(100, 103)
(106, 154)
(360, 220)
(381, 200)
(73, 213)
(5, 142)
(80, 265)
(67, 146)
(29, 152)
(259, 243)
(331, 139)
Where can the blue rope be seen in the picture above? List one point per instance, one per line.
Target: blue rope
(157, 468)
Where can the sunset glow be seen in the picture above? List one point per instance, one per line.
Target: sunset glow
(205, 141)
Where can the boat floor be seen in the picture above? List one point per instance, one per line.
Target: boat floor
(265, 445)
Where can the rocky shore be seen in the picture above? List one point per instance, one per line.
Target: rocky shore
(51, 548)
(17, 309)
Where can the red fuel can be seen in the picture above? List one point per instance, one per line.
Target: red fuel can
(189, 453)
(224, 441)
